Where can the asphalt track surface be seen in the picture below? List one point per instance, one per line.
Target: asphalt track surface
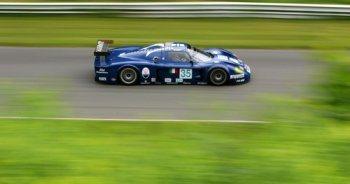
(69, 72)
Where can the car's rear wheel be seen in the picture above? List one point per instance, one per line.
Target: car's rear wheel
(128, 76)
(218, 77)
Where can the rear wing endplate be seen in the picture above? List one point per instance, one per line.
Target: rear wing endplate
(102, 47)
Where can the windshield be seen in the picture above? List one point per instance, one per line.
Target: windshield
(199, 55)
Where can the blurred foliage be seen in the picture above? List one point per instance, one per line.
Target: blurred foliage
(271, 1)
(334, 89)
(67, 31)
(298, 145)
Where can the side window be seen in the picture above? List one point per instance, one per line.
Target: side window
(179, 56)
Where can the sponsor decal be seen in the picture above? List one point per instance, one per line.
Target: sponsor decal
(99, 46)
(186, 83)
(113, 79)
(179, 80)
(102, 78)
(177, 45)
(215, 52)
(145, 72)
(167, 80)
(102, 71)
(240, 80)
(153, 79)
(222, 57)
(238, 76)
(185, 73)
(174, 71)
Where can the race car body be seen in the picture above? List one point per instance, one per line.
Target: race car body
(168, 63)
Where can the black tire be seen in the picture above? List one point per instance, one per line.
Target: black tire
(218, 77)
(128, 76)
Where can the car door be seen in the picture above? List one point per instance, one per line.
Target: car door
(176, 68)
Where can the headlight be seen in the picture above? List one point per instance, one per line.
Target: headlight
(238, 70)
(247, 68)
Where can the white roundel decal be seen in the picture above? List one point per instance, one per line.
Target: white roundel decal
(145, 72)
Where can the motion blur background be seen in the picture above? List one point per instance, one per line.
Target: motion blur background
(299, 95)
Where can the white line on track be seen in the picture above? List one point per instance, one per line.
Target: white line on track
(128, 120)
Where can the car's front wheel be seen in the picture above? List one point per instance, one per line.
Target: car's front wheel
(218, 77)
(128, 76)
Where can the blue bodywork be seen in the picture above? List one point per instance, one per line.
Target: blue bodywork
(155, 66)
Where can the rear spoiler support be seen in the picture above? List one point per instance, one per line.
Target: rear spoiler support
(102, 47)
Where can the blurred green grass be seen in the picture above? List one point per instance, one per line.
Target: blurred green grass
(116, 152)
(273, 1)
(76, 31)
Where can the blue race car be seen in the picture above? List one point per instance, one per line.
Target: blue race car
(168, 63)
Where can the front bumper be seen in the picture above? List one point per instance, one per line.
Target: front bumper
(243, 77)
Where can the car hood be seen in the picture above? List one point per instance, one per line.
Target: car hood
(222, 55)
(228, 60)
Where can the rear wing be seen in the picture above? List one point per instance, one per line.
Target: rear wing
(102, 47)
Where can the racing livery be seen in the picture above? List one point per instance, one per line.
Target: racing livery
(168, 63)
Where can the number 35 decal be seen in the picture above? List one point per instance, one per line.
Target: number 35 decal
(185, 73)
